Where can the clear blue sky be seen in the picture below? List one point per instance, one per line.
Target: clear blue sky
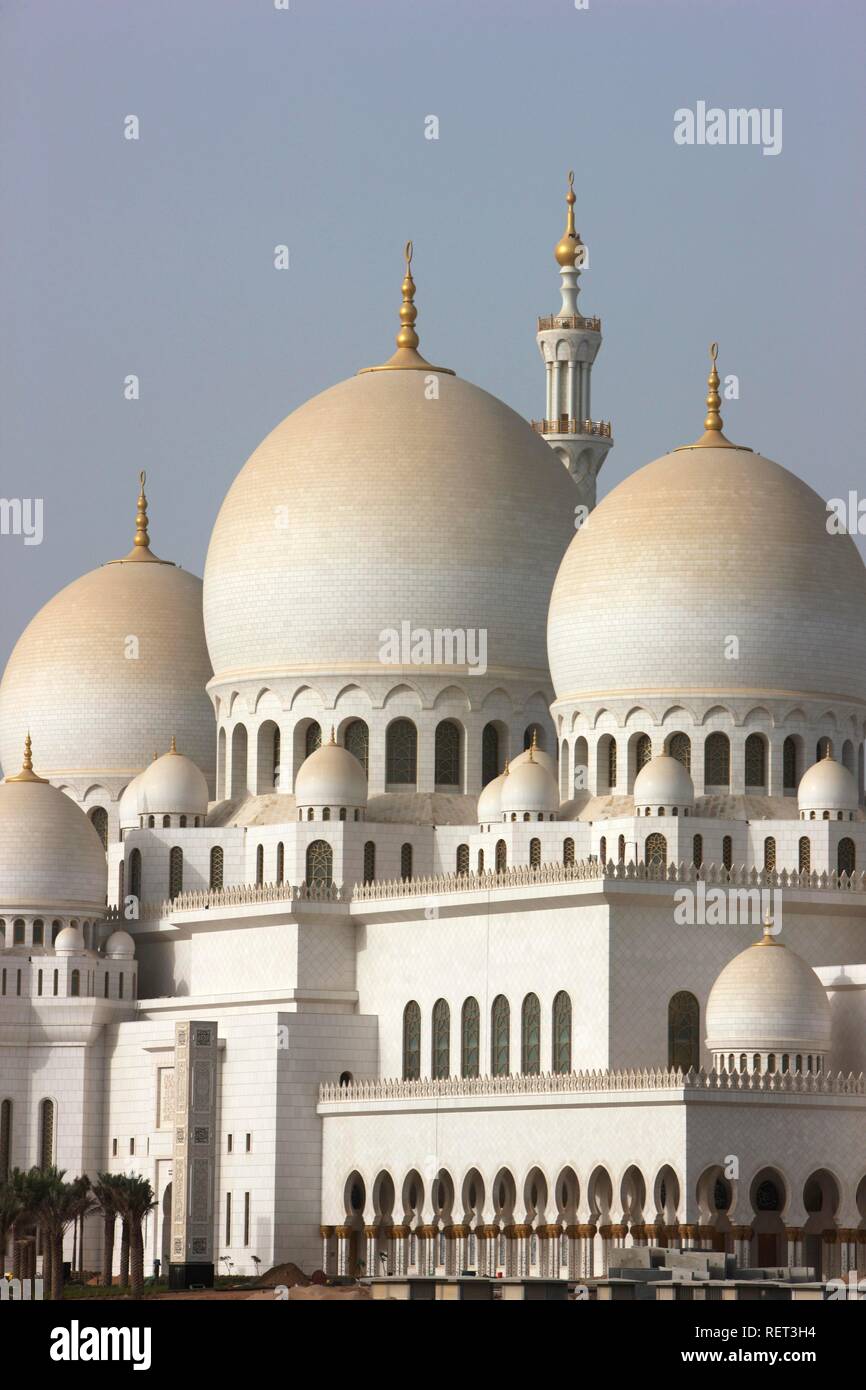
(306, 127)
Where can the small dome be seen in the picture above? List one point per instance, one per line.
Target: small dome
(51, 858)
(538, 756)
(827, 786)
(331, 776)
(172, 785)
(767, 999)
(663, 781)
(129, 807)
(120, 945)
(489, 804)
(529, 786)
(69, 941)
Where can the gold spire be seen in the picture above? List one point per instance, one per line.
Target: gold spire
(570, 243)
(173, 748)
(333, 738)
(407, 357)
(27, 774)
(533, 745)
(712, 438)
(141, 550)
(769, 933)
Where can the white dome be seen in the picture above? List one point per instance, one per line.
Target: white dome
(663, 781)
(529, 786)
(172, 785)
(538, 756)
(767, 999)
(318, 549)
(51, 858)
(331, 776)
(69, 940)
(120, 945)
(699, 544)
(129, 807)
(98, 709)
(489, 800)
(827, 786)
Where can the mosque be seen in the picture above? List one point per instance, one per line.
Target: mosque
(380, 965)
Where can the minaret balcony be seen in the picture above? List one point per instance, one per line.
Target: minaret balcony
(600, 428)
(569, 321)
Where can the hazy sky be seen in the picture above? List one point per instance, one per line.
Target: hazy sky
(260, 126)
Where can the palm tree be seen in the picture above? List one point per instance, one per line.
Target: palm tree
(106, 1190)
(56, 1205)
(136, 1199)
(11, 1208)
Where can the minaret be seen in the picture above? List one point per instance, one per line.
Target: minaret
(569, 343)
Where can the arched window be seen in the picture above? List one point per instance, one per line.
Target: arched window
(717, 761)
(99, 821)
(489, 754)
(406, 861)
(680, 747)
(75, 984)
(151, 822)
(463, 859)
(684, 1016)
(769, 854)
(611, 765)
(756, 761)
(401, 753)
(620, 849)
(175, 872)
(135, 873)
(312, 738)
(530, 1036)
(470, 1042)
(56, 982)
(562, 1033)
(260, 864)
(698, 851)
(643, 751)
(568, 850)
(166, 822)
(320, 863)
(446, 771)
(727, 851)
(181, 820)
(481, 861)
(275, 758)
(369, 861)
(5, 1138)
(281, 862)
(805, 856)
(789, 764)
(534, 854)
(356, 740)
(656, 852)
(846, 857)
(602, 849)
(501, 857)
(46, 1133)
(411, 1041)
(18, 932)
(440, 1061)
(500, 1027)
(216, 867)
(39, 932)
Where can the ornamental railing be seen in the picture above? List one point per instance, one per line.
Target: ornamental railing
(579, 1082)
(237, 895)
(547, 321)
(565, 425)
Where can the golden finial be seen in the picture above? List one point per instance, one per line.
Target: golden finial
(533, 745)
(570, 243)
(507, 768)
(333, 738)
(712, 438)
(141, 544)
(407, 357)
(27, 774)
(173, 748)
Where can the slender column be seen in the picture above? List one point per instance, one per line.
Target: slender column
(426, 1250)
(794, 1237)
(548, 367)
(638, 1234)
(606, 1235)
(829, 1244)
(574, 1251)
(570, 383)
(370, 1233)
(742, 1245)
(400, 1235)
(343, 1234)
(689, 1235)
(556, 388)
(327, 1234)
(587, 1235)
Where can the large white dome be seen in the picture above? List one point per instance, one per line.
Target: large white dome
(700, 545)
(373, 504)
(97, 703)
(827, 786)
(171, 784)
(768, 999)
(51, 858)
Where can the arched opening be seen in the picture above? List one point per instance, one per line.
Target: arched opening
(697, 850)
(320, 864)
(684, 1043)
(846, 856)
(530, 1036)
(401, 754)
(369, 861)
(805, 855)
(440, 1060)
(412, 1041)
(492, 752)
(534, 853)
(501, 857)
(606, 763)
(406, 861)
(568, 850)
(656, 852)
(769, 854)
(356, 740)
(135, 873)
(791, 765)
(216, 867)
(821, 1203)
(679, 746)
(561, 1033)
(175, 872)
(768, 1198)
(99, 821)
(221, 765)
(727, 851)
(500, 1040)
(447, 756)
(239, 762)
(756, 762)
(462, 859)
(717, 762)
(470, 1038)
(46, 1134)
(267, 757)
